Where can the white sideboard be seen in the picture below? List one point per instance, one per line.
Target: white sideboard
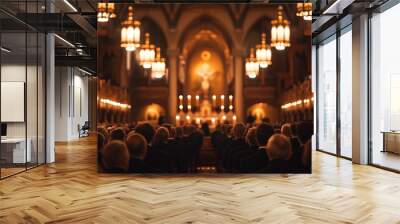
(17, 147)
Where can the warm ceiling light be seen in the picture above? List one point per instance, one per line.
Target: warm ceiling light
(102, 15)
(252, 66)
(263, 52)
(280, 31)
(147, 53)
(158, 66)
(111, 10)
(130, 32)
(106, 11)
(304, 10)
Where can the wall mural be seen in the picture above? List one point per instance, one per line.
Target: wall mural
(210, 88)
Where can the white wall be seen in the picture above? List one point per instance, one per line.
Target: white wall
(71, 102)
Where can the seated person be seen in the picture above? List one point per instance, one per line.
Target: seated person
(297, 149)
(146, 130)
(101, 141)
(137, 146)
(118, 134)
(279, 152)
(286, 130)
(251, 147)
(256, 161)
(304, 131)
(235, 144)
(104, 132)
(116, 157)
(307, 157)
(158, 155)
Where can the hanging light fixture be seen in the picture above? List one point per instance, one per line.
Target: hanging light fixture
(263, 52)
(147, 53)
(130, 32)
(252, 66)
(280, 31)
(158, 66)
(106, 11)
(102, 15)
(111, 10)
(304, 10)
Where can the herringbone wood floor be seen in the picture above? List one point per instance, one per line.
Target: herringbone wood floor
(71, 191)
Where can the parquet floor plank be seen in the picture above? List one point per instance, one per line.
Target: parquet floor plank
(71, 191)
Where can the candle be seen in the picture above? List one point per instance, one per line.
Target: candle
(197, 100)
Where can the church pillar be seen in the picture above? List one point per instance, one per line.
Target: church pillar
(238, 74)
(172, 84)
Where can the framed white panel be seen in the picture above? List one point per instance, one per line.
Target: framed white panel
(12, 101)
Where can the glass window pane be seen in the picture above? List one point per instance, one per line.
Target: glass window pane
(327, 96)
(346, 94)
(31, 97)
(385, 84)
(13, 86)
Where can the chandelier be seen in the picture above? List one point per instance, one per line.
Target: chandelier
(252, 66)
(130, 32)
(158, 66)
(263, 52)
(106, 11)
(147, 53)
(280, 31)
(304, 10)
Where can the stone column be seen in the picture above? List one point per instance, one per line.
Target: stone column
(50, 93)
(238, 74)
(172, 84)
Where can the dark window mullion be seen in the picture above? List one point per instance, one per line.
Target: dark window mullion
(338, 98)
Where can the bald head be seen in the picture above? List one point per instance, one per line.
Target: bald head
(279, 148)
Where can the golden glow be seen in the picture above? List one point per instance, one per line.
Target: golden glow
(177, 117)
(112, 103)
(158, 66)
(252, 66)
(263, 52)
(205, 55)
(130, 32)
(303, 102)
(280, 31)
(106, 11)
(147, 53)
(304, 10)
(102, 15)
